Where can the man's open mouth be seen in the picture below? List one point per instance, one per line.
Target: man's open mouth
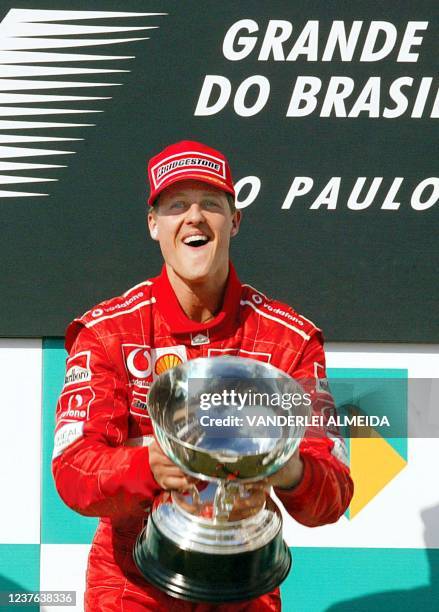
(198, 240)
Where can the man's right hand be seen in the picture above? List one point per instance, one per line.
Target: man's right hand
(166, 473)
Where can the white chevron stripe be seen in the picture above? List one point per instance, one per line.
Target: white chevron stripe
(8, 166)
(21, 111)
(19, 194)
(6, 152)
(5, 179)
(25, 30)
(51, 29)
(4, 138)
(16, 44)
(32, 57)
(23, 71)
(15, 98)
(34, 16)
(12, 85)
(32, 125)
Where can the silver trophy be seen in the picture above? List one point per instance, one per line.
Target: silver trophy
(221, 540)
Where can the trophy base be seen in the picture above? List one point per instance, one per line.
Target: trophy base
(205, 577)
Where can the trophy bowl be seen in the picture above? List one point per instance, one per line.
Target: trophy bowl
(221, 540)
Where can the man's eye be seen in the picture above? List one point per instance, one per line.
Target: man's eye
(211, 204)
(178, 205)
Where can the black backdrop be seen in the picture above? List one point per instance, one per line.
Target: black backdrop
(362, 275)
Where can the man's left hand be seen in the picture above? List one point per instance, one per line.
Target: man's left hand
(290, 475)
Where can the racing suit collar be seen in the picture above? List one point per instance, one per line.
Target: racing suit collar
(177, 320)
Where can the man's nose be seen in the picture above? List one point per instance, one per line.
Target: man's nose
(195, 213)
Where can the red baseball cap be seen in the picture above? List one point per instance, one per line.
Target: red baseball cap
(185, 160)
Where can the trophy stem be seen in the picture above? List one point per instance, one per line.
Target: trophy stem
(223, 502)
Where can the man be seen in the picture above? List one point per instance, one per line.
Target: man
(106, 463)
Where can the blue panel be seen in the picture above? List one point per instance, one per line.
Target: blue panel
(60, 525)
(19, 570)
(361, 580)
(376, 391)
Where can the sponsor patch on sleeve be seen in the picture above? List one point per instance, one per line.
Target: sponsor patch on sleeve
(66, 435)
(74, 405)
(78, 369)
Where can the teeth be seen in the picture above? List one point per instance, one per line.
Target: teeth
(191, 239)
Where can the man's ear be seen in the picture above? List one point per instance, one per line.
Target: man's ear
(236, 221)
(152, 226)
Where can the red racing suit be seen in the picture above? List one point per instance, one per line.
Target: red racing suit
(100, 461)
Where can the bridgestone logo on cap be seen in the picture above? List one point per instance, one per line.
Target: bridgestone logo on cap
(187, 162)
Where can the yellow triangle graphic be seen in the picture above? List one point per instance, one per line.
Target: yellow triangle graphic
(373, 464)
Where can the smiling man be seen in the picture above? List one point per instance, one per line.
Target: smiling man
(193, 224)
(105, 461)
